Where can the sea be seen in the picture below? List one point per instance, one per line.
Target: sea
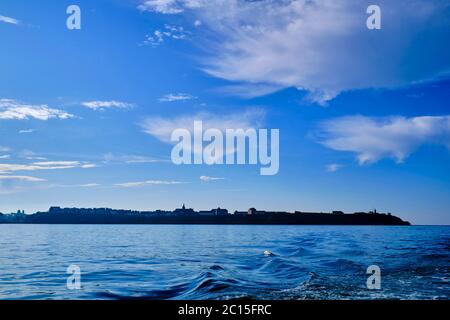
(224, 262)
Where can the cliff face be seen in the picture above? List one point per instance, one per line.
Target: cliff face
(109, 216)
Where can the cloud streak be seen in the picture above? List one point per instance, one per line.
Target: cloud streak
(333, 167)
(210, 179)
(26, 131)
(15, 110)
(21, 178)
(171, 97)
(130, 159)
(87, 185)
(46, 165)
(146, 183)
(9, 20)
(373, 139)
(103, 105)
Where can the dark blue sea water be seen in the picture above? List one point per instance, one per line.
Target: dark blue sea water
(223, 262)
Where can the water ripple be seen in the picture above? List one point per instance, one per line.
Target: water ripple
(223, 262)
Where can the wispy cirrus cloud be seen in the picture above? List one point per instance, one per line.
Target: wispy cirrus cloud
(333, 167)
(130, 159)
(44, 165)
(26, 131)
(58, 163)
(373, 139)
(321, 47)
(31, 155)
(147, 183)
(89, 185)
(210, 179)
(171, 97)
(86, 185)
(21, 178)
(10, 184)
(162, 128)
(9, 20)
(15, 110)
(103, 105)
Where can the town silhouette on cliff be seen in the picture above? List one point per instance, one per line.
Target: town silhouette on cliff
(183, 215)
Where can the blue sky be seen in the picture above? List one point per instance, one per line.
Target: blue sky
(363, 114)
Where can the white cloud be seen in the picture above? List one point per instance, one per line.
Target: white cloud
(146, 183)
(26, 131)
(57, 163)
(87, 185)
(4, 149)
(372, 139)
(162, 128)
(333, 167)
(102, 105)
(322, 47)
(169, 32)
(88, 166)
(5, 156)
(47, 165)
(171, 97)
(161, 6)
(130, 159)
(22, 178)
(14, 110)
(209, 179)
(249, 90)
(9, 20)
(30, 155)
(139, 159)
(169, 6)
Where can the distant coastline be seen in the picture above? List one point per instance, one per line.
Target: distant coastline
(57, 215)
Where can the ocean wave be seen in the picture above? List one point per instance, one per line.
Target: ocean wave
(304, 262)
